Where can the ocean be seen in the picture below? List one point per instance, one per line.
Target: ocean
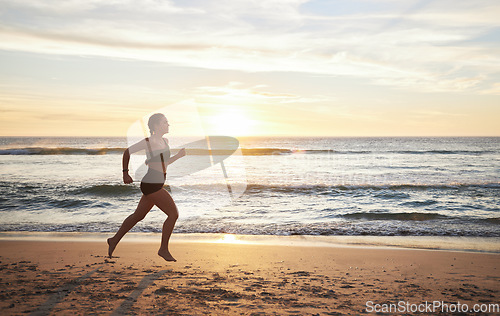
(389, 186)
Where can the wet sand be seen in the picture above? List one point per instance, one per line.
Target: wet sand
(76, 277)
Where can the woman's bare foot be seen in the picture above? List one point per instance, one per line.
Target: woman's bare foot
(111, 247)
(165, 254)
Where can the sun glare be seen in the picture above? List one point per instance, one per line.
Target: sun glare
(229, 239)
(233, 123)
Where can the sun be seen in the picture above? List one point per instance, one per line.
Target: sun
(231, 122)
(230, 239)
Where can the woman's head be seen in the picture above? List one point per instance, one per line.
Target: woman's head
(158, 124)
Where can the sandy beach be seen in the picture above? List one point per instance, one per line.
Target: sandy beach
(76, 277)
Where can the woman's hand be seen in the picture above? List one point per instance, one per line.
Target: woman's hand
(181, 153)
(127, 178)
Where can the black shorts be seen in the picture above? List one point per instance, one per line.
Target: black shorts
(153, 181)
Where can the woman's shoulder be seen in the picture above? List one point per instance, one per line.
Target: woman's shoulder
(140, 145)
(147, 139)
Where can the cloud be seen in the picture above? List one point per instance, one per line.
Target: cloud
(426, 46)
(493, 89)
(235, 93)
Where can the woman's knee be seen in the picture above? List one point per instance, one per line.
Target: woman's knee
(138, 217)
(174, 215)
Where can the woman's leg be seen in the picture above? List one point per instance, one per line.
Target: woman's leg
(164, 201)
(145, 205)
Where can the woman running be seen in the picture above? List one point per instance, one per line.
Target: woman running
(152, 184)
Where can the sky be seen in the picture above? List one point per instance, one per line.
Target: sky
(259, 67)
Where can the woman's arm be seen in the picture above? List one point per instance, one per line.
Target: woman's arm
(180, 154)
(125, 160)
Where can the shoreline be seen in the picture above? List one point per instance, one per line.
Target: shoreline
(437, 243)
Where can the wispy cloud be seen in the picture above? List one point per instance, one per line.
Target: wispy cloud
(237, 93)
(420, 45)
(495, 89)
